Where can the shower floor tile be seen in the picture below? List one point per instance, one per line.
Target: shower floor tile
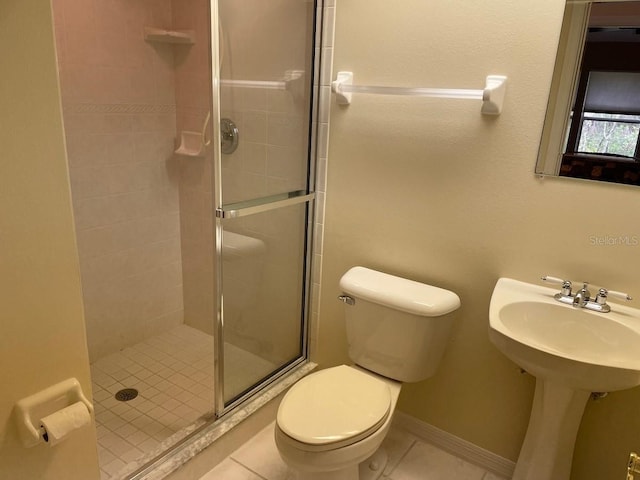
(173, 374)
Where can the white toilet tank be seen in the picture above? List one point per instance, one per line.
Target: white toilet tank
(396, 327)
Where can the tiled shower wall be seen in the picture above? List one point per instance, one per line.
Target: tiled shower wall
(118, 95)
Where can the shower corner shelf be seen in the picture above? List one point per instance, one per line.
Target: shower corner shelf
(175, 37)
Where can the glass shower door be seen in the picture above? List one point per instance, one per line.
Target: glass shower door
(263, 195)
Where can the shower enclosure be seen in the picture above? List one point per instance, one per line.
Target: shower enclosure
(189, 135)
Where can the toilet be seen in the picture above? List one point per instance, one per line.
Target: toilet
(331, 423)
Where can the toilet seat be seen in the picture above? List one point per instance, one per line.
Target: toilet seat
(333, 408)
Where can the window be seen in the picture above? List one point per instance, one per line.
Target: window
(609, 134)
(610, 118)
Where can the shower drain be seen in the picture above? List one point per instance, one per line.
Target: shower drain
(126, 394)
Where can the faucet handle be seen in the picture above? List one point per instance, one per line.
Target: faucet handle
(601, 299)
(550, 279)
(620, 295)
(603, 293)
(566, 284)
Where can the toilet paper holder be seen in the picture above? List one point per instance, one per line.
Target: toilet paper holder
(31, 409)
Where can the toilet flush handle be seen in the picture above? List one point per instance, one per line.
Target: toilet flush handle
(347, 299)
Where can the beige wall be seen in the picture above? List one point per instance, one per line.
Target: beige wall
(432, 190)
(43, 337)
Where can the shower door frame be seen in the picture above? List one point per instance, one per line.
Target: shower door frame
(255, 206)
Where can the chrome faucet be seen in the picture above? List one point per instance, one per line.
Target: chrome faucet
(582, 298)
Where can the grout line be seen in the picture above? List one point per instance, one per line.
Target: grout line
(246, 468)
(402, 457)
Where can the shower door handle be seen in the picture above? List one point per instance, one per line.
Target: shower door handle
(264, 204)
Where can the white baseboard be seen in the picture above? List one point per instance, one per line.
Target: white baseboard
(455, 445)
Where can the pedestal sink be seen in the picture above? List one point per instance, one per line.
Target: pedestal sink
(571, 352)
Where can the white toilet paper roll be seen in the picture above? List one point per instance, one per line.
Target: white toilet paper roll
(61, 423)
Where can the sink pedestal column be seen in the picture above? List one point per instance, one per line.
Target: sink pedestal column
(547, 451)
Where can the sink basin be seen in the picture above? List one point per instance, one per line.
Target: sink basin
(571, 352)
(578, 348)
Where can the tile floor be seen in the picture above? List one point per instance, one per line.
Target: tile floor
(409, 459)
(173, 373)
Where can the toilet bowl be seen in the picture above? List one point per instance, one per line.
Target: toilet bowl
(331, 423)
(352, 411)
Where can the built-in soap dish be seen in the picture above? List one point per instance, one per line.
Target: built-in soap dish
(194, 144)
(191, 144)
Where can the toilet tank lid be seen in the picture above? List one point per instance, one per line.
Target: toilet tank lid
(398, 293)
